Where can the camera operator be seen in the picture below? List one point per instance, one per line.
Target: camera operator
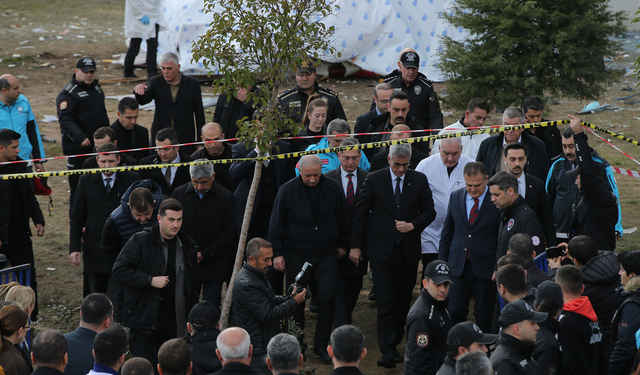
(255, 307)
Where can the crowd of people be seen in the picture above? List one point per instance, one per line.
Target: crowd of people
(475, 210)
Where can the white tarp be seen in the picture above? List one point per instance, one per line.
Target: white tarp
(369, 33)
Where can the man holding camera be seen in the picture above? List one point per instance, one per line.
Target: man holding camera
(255, 307)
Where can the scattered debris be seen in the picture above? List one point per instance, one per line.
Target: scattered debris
(626, 97)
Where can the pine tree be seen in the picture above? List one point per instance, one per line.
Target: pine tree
(519, 48)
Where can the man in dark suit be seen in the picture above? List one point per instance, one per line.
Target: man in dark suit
(178, 100)
(232, 343)
(468, 243)
(379, 160)
(96, 315)
(394, 207)
(96, 197)
(274, 174)
(107, 135)
(129, 134)
(232, 108)
(347, 350)
(349, 283)
(216, 149)
(381, 94)
(49, 353)
(210, 219)
(172, 177)
(531, 189)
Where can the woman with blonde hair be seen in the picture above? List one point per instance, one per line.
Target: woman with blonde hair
(4, 289)
(13, 329)
(24, 295)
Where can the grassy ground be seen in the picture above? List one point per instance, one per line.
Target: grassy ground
(95, 29)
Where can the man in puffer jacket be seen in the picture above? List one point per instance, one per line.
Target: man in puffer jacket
(626, 321)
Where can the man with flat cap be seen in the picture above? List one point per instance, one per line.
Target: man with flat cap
(464, 338)
(203, 331)
(429, 322)
(517, 339)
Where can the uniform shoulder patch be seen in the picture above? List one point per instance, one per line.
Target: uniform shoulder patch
(63, 105)
(427, 82)
(510, 224)
(422, 339)
(535, 240)
(287, 93)
(327, 91)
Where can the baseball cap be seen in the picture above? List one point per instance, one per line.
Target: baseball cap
(86, 64)
(204, 315)
(466, 333)
(574, 172)
(410, 59)
(307, 67)
(438, 271)
(519, 311)
(549, 290)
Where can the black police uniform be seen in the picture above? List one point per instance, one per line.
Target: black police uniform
(422, 97)
(427, 326)
(293, 102)
(519, 218)
(513, 356)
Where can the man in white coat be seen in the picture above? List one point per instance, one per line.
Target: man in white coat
(445, 174)
(142, 20)
(477, 111)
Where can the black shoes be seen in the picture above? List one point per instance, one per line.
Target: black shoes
(130, 76)
(388, 360)
(323, 354)
(397, 357)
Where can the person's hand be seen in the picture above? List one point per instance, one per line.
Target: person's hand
(278, 263)
(37, 167)
(341, 252)
(403, 226)
(555, 262)
(139, 89)
(75, 258)
(86, 143)
(299, 297)
(144, 20)
(355, 255)
(160, 281)
(575, 124)
(39, 230)
(242, 95)
(200, 258)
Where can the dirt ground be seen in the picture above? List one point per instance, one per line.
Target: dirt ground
(41, 42)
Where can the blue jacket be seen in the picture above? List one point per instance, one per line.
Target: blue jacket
(330, 160)
(19, 118)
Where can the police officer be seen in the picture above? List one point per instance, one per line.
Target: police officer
(81, 111)
(429, 322)
(517, 340)
(424, 101)
(293, 102)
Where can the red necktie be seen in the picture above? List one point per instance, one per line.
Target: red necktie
(474, 211)
(350, 194)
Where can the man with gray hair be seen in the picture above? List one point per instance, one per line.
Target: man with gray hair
(309, 224)
(337, 130)
(209, 217)
(394, 201)
(492, 149)
(235, 352)
(283, 354)
(178, 100)
(474, 363)
(347, 350)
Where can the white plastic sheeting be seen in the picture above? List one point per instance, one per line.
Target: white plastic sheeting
(369, 33)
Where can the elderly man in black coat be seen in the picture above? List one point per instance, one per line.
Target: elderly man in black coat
(209, 218)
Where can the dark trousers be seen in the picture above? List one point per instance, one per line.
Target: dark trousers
(146, 345)
(132, 52)
(19, 251)
(74, 163)
(483, 292)
(98, 282)
(212, 292)
(395, 280)
(426, 259)
(348, 289)
(324, 272)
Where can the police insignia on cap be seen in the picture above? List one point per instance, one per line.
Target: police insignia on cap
(510, 224)
(63, 105)
(442, 268)
(411, 56)
(422, 339)
(87, 61)
(417, 89)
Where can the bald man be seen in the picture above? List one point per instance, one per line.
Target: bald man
(235, 352)
(16, 114)
(214, 149)
(379, 160)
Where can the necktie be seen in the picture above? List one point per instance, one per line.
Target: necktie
(350, 193)
(167, 176)
(474, 211)
(398, 194)
(108, 184)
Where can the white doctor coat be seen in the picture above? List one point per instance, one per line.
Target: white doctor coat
(134, 11)
(470, 143)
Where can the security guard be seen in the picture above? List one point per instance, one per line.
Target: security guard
(294, 101)
(428, 323)
(424, 101)
(81, 111)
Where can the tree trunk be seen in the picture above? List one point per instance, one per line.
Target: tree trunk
(226, 306)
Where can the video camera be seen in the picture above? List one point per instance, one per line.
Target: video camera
(300, 281)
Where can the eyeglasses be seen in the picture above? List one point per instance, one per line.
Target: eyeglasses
(403, 165)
